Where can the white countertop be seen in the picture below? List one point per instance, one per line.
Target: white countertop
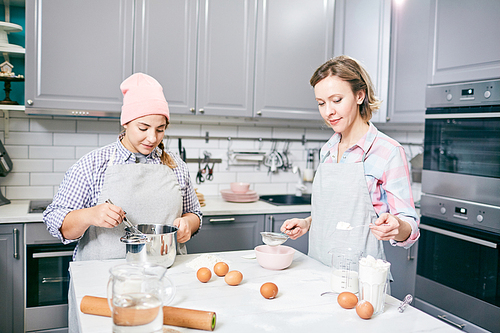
(297, 308)
(217, 206)
(17, 210)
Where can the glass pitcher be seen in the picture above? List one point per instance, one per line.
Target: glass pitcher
(137, 293)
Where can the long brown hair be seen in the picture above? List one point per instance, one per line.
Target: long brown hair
(350, 70)
(166, 158)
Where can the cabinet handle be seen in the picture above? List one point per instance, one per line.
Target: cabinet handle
(52, 254)
(192, 110)
(229, 219)
(270, 223)
(15, 236)
(410, 257)
(459, 326)
(259, 113)
(55, 279)
(202, 111)
(29, 102)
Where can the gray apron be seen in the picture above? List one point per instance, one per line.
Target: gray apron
(340, 194)
(148, 193)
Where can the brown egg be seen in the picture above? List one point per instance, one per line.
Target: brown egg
(364, 309)
(233, 278)
(204, 274)
(347, 300)
(269, 290)
(221, 268)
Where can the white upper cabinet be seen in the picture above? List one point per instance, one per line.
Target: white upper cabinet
(77, 54)
(201, 52)
(409, 61)
(465, 42)
(294, 37)
(363, 31)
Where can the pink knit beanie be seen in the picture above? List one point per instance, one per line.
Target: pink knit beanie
(142, 96)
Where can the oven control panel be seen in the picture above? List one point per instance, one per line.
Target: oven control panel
(480, 216)
(463, 94)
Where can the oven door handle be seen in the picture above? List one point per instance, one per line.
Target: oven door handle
(55, 280)
(52, 254)
(458, 236)
(15, 237)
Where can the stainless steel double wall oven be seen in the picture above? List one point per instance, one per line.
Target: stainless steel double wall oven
(458, 269)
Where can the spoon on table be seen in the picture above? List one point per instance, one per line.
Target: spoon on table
(329, 293)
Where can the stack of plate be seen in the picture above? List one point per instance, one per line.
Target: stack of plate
(249, 196)
(201, 198)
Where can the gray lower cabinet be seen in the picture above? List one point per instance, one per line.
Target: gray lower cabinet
(11, 278)
(77, 54)
(227, 233)
(403, 269)
(274, 222)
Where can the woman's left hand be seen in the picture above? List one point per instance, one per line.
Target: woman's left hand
(388, 226)
(184, 229)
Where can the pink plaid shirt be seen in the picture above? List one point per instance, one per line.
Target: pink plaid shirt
(386, 172)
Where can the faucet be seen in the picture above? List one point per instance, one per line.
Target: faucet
(300, 187)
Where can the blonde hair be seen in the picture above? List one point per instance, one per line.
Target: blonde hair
(350, 70)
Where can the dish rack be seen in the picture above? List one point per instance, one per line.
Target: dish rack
(245, 158)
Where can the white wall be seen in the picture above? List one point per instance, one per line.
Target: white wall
(42, 148)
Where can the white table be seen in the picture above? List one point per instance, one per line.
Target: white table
(297, 308)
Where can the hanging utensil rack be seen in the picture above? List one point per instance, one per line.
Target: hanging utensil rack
(303, 140)
(203, 160)
(207, 138)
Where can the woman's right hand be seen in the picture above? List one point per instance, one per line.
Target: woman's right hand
(295, 227)
(103, 215)
(106, 215)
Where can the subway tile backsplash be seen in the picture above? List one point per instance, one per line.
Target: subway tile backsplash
(43, 148)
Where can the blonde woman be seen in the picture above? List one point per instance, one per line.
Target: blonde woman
(363, 177)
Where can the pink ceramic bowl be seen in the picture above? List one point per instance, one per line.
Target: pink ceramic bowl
(240, 187)
(274, 257)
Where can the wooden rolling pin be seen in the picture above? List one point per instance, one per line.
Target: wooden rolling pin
(201, 320)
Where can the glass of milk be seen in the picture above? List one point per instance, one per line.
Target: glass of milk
(373, 280)
(344, 276)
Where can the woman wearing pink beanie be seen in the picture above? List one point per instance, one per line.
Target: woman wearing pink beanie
(135, 172)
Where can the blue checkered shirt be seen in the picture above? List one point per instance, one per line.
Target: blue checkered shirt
(82, 184)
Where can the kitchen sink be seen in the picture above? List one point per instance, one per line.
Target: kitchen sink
(286, 199)
(38, 206)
